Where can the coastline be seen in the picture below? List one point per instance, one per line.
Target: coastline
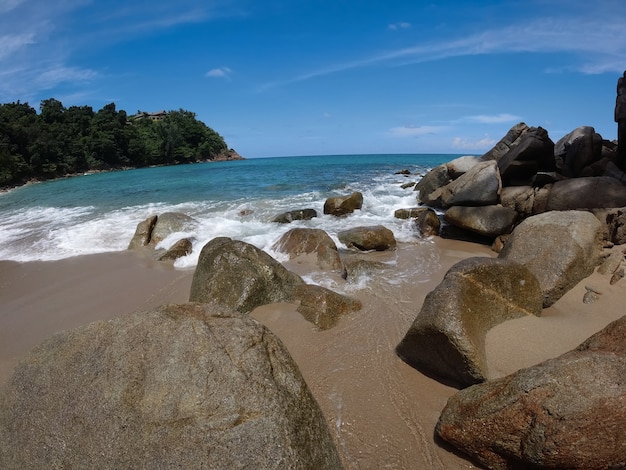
(380, 411)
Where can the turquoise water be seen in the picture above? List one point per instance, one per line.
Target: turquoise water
(99, 212)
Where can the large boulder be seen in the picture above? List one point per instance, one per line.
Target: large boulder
(564, 413)
(143, 233)
(488, 221)
(301, 214)
(169, 223)
(559, 248)
(480, 186)
(322, 306)
(430, 183)
(181, 386)
(615, 222)
(179, 249)
(586, 193)
(240, 276)
(368, 238)
(578, 150)
(427, 223)
(299, 242)
(447, 338)
(506, 143)
(461, 165)
(525, 200)
(343, 205)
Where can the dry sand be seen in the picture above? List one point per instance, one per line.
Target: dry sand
(381, 412)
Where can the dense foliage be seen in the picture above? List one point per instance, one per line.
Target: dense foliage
(61, 141)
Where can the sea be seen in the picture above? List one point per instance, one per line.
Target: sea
(99, 212)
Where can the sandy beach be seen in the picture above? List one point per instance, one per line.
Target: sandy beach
(381, 412)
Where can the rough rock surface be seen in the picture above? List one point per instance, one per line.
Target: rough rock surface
(427, 223)
(304, 241)
(480, 186)
(240, 276)
(169, 223)
(525, 200)
(578, 149)
(615, 222)
(343, 205)
(181, 386)
(586, 193)
(322, 306)
(489, 221)
(430, 183)
(369, 238)
(288, 217)
(179, 249)
(143, 232)
(568, 412)
(559, 248)
(447, 338)
(409, 213)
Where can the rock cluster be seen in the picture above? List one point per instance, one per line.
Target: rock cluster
(155, 229)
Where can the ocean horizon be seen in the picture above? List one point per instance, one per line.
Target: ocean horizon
(99, 212)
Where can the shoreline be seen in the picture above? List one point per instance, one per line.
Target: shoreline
(380, 411)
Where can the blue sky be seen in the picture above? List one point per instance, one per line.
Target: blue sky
(308, 77)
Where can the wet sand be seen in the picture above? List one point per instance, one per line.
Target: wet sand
(381, 412)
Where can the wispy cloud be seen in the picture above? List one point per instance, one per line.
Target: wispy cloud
(597, 45)
(493, 119)
(220, 72)
(467, 144)
(59, 74)
(400, 25)
(414, 131)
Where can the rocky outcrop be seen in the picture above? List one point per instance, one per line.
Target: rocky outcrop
(322, 306)
(559, 248)
(371, 238)
(181, 386)
(586, 193)
(299, 242)
(578, 150)
(447, 338)
(430, 184)
(615, 222)
(343, 205)
(566, 412)
(155, 229)
(480, 186)
(525, 200)
(288, 217)
(240, 276)
(488, 221)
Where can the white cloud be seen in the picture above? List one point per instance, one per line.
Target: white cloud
(493, 119)
(220, 72)
(414, 131)
(483, 144)
(400, 25)
(59, 74)
(10, 44)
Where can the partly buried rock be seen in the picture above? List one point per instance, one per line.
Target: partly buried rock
(155, 229)
(322, 306)
(358, 269)
(181, 386)
(343, 205)
(288, 217)
(447, 338)
(488, 221)
(179, 249)
(586, 193)
(369, 238)
(480, 186)
(564, 413)
(427, 223)
(559, 248)
(304, 241)
(240, 276)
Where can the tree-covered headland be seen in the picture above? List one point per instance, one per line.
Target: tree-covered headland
(60, 141)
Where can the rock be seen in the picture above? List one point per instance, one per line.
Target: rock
(304, 241)
(432, 181)
(240, 276)
(578, 150)
(565, 413)
(532, 151)
(617, 276)
(525, 200)
(591, 295)
(181, 248)
(409, 213)
(586, 193)
(488, 221)
(447, 338)
(375, 237)
(611, 263)
(559, 248)
(359, 268)
(615, 222)
(143, 232)
(427, 223)
(478, 187)
(343, 205)
(461, 165)
(408, 185)
(405, 172)
(505, 144)
(180, 386)
(322, 306)
(169, 223)
(288, 217)
(499, 242)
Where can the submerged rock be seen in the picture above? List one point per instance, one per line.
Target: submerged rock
(288, 217)
(343, 205)
(305, 241)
